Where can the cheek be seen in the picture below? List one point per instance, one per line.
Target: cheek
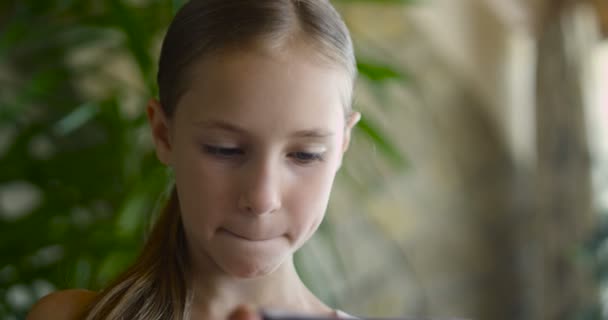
(307, 201)
(202, 190)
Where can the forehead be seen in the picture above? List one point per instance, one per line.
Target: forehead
(259, 85)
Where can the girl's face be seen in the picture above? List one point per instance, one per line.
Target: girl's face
(255, 144)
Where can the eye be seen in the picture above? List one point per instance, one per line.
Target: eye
(223, 152)
(306, 157)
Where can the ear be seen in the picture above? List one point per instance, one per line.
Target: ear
(350, 124)
(159, 125)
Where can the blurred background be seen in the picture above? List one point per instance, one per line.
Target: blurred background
(477, 185)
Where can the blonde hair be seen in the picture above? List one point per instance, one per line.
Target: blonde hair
(155, 287)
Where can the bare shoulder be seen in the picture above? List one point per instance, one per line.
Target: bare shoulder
(62, 305)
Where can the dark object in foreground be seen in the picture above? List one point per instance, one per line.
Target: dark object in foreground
(290, 316)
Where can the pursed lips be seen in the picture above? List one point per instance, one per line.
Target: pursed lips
(247, 237)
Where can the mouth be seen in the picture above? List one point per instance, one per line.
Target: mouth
(246, 238)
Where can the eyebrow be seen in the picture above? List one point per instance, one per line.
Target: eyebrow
(222, 125)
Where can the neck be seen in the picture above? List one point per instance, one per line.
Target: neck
(216, 294)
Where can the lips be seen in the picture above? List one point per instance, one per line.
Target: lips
(245, 236)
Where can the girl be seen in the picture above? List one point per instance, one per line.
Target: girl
(254, 117)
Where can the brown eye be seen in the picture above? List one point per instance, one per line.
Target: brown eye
(223, 152)
(307, 157)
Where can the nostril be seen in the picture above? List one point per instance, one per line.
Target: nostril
(259, 206)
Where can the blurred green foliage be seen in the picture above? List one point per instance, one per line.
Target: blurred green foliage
(78, 176)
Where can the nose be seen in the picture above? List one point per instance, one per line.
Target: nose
(261, 188)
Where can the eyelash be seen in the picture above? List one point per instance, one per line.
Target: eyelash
(229, 153)
(222, 152)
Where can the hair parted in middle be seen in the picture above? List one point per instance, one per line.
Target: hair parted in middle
(155, 287)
